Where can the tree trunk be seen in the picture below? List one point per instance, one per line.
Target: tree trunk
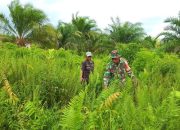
(20, 41)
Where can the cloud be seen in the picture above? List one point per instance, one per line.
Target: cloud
(4, 2)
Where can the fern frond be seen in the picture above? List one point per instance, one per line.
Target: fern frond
(72, 115)
(13, 97)
(108, 102)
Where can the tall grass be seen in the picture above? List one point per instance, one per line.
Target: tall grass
(50, 96)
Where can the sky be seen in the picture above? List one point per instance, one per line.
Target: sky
(151, 13)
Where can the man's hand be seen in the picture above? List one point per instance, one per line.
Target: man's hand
(105, 83)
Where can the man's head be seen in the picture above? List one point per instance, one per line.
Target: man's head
(115, 56)
(88, 55)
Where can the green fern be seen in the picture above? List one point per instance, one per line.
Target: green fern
(73, 117)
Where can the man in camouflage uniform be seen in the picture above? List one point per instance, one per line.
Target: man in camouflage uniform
(86, 68)
(118, 67)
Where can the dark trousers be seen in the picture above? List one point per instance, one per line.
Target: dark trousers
(85, 81)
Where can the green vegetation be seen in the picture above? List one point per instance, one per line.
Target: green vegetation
(40, 86)
(171, 35)
(21, 21)
(126, 32)
(40, 89)
(28, 24)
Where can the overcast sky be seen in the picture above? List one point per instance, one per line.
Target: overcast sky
(151, 13)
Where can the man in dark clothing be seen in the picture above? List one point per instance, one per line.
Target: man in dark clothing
(86, 68)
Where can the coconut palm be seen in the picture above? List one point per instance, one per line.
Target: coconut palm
(21, 21)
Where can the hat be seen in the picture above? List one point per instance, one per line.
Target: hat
(88, 54)
(115, 54)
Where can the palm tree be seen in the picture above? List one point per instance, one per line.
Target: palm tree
(149, 42)
(171, 35)
(125, 32)
(66, 33)
(46, 35)
(84, 24)
(21, 21)
(104, 43)
(86, 29)
(172, 31)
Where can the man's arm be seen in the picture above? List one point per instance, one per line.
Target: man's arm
(107, 76)
(128, 69)
(130, 74)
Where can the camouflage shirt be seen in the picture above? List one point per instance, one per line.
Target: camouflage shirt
(87, 67)
(117, 70)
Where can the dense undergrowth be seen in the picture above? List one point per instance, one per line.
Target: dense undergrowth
(40, 89)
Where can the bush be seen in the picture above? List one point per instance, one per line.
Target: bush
(144, 60)
(128, 51)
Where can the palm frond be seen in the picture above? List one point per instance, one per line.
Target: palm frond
(22, 19)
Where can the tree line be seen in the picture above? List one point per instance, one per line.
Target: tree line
(26, 23)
